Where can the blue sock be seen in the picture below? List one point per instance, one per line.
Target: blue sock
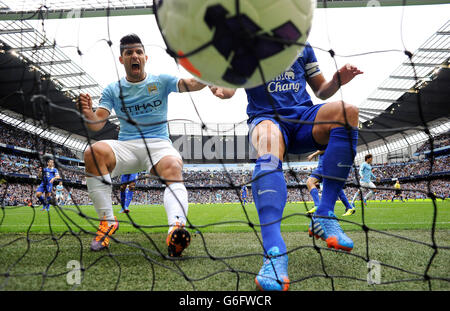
(270, 196)
(49, 199)
(337, 162)
(41, 199)
(344, 200)
(129, 197)
(123, 198)
(315, 195)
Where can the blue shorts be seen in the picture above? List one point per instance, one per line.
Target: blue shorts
(128, 178)
(317, 174)
(45, 187)
(297, 135)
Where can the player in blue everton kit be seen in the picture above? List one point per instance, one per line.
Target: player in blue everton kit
(49, 175)
(244, 194)
(316, 179)
(128, 183)
(280, 120)
(366, 175)
(140, 102)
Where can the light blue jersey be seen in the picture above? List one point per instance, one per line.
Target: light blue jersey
(365, 171)
(145, 102)
(59, 189)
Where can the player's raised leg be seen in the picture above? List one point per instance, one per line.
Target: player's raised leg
(270, 195)
(349, 209)
(169, 168)
(337, 162)
(311, 183)
(40, 196)
(99, 161)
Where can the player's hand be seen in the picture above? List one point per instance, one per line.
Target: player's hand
(221, 92)
(84, 105)
(346, 74)
(217, 91)
(310, 157)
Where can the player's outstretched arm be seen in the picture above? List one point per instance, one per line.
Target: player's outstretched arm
(84, 105)
(190, 85)
(315, 154)
(325, 89)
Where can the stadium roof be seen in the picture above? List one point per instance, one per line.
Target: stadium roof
(50, 9)
(416, 92)
(30, 65)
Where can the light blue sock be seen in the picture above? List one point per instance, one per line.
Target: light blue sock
(315, 195)
(270, 196)
(337, 162)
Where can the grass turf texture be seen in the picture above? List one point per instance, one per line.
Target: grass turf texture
(36, 246)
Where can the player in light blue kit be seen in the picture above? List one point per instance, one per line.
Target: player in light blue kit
(59, 193)
(366, 174)
(244, 194)
(49, 175)
(128, 184)
(316, 178)
(281, 116)
(138, 99)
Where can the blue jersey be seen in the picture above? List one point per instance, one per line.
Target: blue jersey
(287, 91)
(48, 174)
(365, 171)
(129, 178)
(145, 102)
(244, 191)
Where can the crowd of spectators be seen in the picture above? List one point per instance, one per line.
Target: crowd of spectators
(10, 135)
(438, 142)
(206, 186)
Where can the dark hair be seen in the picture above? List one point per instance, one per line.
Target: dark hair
(368, 156)
(129, 39)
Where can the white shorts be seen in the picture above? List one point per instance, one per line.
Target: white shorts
(59, 195)
(368, 185)
(132, 156)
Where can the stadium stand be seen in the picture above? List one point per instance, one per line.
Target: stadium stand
(207, 184)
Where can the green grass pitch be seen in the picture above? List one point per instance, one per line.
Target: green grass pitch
(225, 252)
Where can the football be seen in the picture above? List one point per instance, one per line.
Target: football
(234, 43)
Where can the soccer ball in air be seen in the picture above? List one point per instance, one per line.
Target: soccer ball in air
(235, 43)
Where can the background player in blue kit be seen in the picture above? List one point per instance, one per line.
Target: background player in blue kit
(143, 98)
(280, 120)
(49, 174)
(316, 178)
(244, 194)
(128, 183)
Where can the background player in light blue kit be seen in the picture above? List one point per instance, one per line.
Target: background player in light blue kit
(59, 193)
(366, 175)
(128, 183)
(141, 98)
(49, 174)
(281, 116)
